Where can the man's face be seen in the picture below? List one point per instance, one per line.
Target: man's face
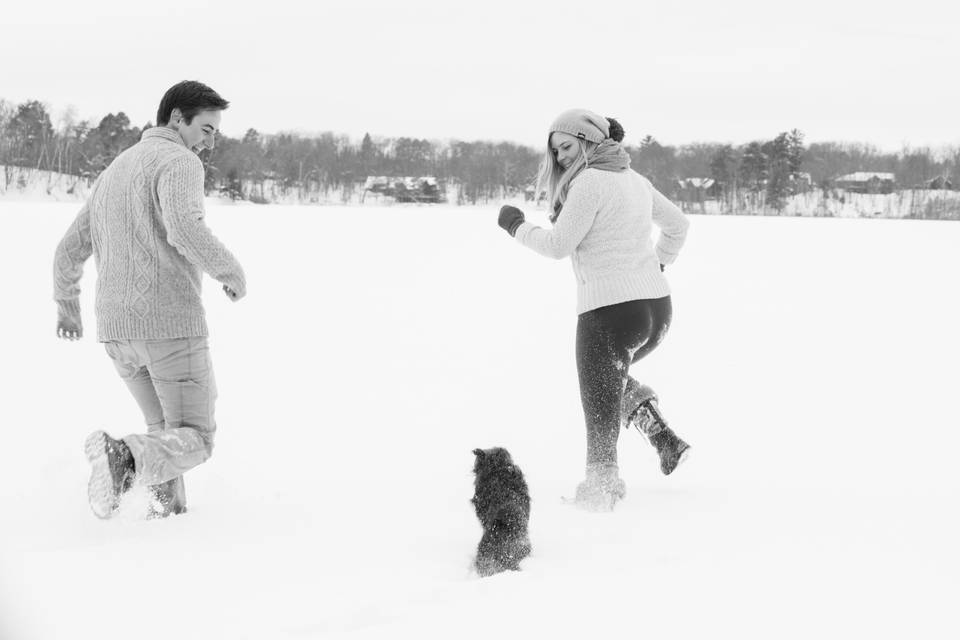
(200, 133)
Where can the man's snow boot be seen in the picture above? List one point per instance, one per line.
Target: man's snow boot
(111, 475)
(640, 408)
(601, 489)
(167, 499)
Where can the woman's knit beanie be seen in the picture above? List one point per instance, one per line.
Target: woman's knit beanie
(581, 123)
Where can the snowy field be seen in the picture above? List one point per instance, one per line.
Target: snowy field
(812, 364)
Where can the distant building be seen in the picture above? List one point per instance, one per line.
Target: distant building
(406, 189)
(530, 194)
(802, 181)
(698, 189)
(866, 182)
(940, 182)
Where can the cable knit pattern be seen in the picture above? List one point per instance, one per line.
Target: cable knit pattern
(606, 226)
(144, 224)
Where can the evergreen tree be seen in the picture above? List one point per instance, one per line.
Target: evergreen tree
(777, 152)
(723, 169)
(369, 157)
(105, 142)
(722, 165)
(657, 163)
(30, 132)
(794, 151)
(753, 166)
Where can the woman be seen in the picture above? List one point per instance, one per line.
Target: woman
(602, 214)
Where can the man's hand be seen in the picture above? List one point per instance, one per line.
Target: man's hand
(69, 328)
(233, 295)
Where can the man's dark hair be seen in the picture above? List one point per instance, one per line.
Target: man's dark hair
(191, 97)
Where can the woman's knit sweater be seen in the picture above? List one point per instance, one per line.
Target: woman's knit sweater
(606, 226)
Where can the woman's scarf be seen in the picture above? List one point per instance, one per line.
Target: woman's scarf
(609, 155)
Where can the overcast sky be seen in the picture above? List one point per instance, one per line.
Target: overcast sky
(731, 71)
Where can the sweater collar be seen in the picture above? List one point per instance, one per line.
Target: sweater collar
(164, 133)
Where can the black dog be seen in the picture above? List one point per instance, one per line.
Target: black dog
(503, 507)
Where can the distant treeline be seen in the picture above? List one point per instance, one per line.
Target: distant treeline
(258, 166)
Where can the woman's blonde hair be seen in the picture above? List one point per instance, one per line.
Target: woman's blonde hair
(556, 180)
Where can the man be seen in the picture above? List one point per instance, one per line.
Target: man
(143, 222)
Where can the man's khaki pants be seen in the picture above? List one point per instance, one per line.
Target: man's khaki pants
(172, 381)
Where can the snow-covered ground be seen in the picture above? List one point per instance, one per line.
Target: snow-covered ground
(22, 184)
(812, 364)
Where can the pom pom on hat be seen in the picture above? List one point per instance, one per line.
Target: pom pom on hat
(582, 123)
(616, 130)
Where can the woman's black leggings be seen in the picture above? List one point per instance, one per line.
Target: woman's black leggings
(609, 340)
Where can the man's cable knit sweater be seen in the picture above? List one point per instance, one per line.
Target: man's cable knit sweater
(143, 222)
(605, 226)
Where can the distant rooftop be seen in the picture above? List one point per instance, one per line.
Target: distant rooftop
(410, 182)
(698, 183)
(865, 176)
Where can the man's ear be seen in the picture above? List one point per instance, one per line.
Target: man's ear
(175, 117)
